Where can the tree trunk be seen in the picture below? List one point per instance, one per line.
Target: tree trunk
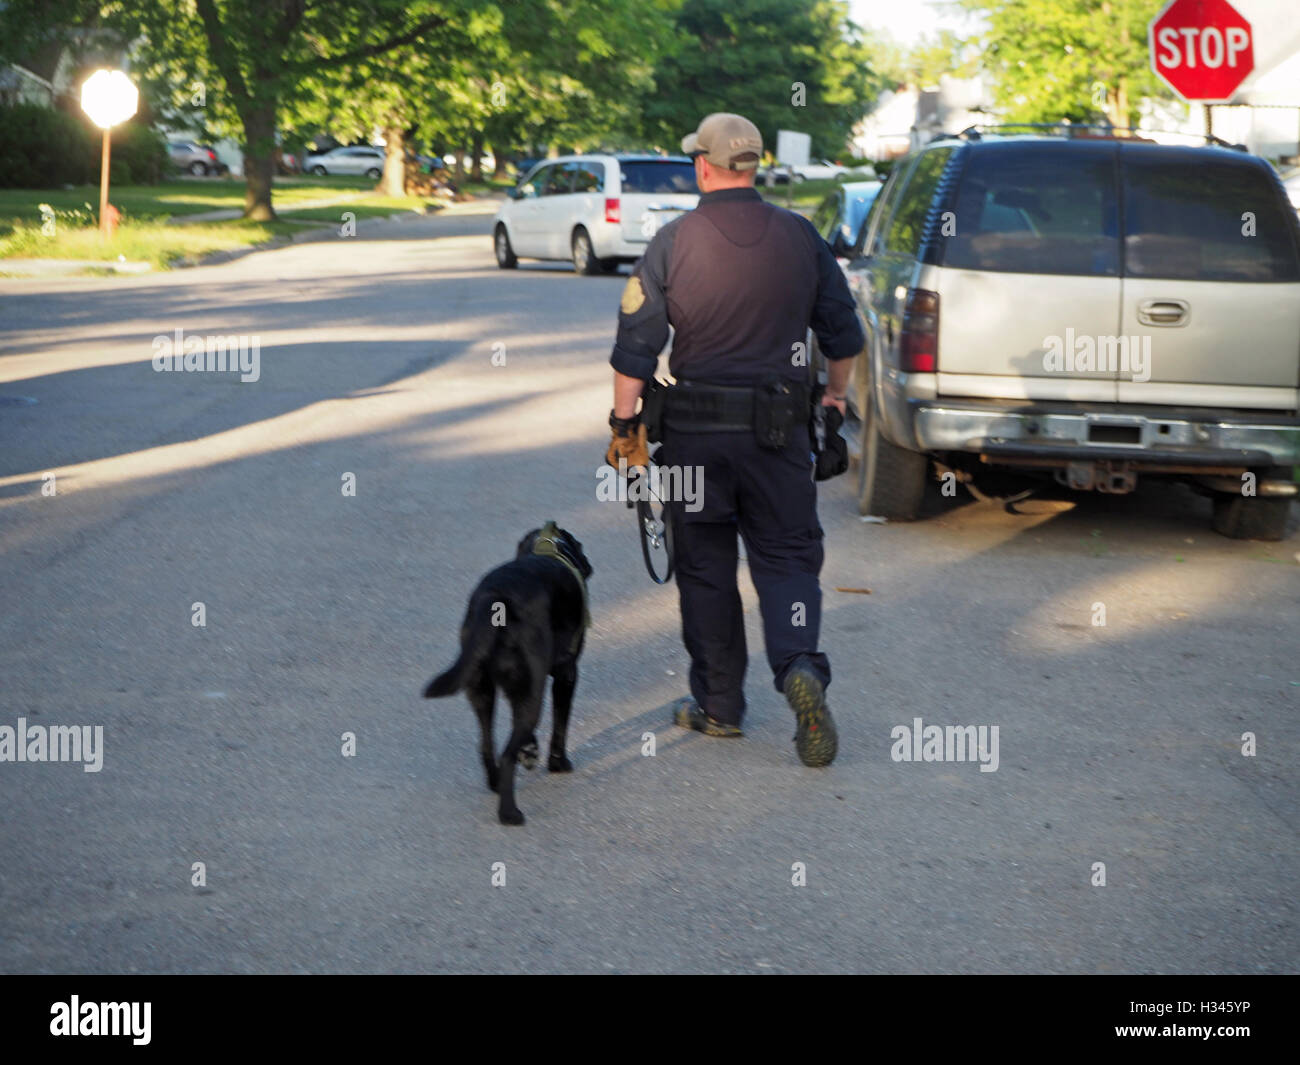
(476, 167)
(458, 173)
(393, 181)
(259, 160)
(499, 170)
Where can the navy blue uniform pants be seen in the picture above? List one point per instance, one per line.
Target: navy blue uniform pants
(770, 499)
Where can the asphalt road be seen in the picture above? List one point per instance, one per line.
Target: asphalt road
(326, 613)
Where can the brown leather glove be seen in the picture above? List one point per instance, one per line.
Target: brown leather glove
(628, 444)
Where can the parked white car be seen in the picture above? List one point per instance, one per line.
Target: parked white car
(367, 161)
(595, 210)
(821, 170)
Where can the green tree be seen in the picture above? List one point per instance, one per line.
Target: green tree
(1075, 59)
(784, 64)
(254, 58)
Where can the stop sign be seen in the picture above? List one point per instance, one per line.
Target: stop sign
(1202, 49)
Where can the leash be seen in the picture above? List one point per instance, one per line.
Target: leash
(655, 531)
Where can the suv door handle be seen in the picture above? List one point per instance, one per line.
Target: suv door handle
(1163, 312)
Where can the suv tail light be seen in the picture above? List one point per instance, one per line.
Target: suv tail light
(611, 211)
(918, 342)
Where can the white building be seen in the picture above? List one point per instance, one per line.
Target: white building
(910, 117)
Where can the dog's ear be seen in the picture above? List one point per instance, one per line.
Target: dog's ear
(526, 544)
(584, 567)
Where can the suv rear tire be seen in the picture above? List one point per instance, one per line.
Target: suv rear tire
(584, 256)
(506, 258)
(1251, 517)
(891, 479)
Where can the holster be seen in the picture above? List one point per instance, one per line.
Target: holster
(779, 405)
(654, 399)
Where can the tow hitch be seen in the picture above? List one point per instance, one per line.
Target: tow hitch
(1114, 478)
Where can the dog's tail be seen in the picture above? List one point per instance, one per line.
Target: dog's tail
(477, 636)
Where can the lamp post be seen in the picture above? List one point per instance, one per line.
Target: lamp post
(108, 97)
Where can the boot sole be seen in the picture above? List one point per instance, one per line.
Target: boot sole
(816, 739)
(700, 723)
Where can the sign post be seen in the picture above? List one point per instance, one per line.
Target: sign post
(108, 97)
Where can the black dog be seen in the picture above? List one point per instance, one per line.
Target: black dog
(526, 620)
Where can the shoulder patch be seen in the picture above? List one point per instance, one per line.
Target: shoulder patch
(633, 296)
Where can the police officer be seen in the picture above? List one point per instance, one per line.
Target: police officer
(740, 281)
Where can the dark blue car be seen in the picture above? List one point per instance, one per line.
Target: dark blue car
(840, 216)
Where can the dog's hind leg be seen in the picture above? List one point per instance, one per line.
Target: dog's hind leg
(526, 712)
(482, 697)
(566, 680)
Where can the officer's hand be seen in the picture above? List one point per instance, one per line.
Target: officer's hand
(830, 401)
(631, 447)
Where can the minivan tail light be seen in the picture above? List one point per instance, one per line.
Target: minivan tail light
(918, 342)
(611, 211)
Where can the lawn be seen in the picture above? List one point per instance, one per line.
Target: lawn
(146, 235)
(807, 194)
(154, 242)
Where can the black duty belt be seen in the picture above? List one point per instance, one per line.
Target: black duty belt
(691, 407)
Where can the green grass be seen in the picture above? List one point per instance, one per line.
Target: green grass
(145, 235)
(177, 198)
(370, 206)
(153, 242)
(488, 186)
(807, 194)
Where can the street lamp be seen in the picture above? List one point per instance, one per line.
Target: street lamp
(108, 97)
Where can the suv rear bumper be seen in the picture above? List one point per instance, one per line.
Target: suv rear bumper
(1169, 440)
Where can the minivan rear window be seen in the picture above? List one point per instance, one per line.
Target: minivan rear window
(659, 178)
(1036, 209)
(1212, 221)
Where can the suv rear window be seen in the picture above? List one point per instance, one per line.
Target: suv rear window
(658, 178)
(1212, 221)
(1036, 209)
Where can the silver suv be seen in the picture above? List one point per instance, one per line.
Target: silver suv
(1090, 309)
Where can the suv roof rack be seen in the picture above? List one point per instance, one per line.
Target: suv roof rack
(1071, 130)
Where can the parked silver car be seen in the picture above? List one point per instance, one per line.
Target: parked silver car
(196, 159)
(597, 211)
(358, 160)
(1092, 310)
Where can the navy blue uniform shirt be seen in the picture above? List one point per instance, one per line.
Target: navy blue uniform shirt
(740, 281)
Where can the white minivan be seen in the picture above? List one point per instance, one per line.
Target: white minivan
(595, 210)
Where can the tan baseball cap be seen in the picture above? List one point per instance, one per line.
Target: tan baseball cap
(723, 138)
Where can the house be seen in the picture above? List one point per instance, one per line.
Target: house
(909, 117)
